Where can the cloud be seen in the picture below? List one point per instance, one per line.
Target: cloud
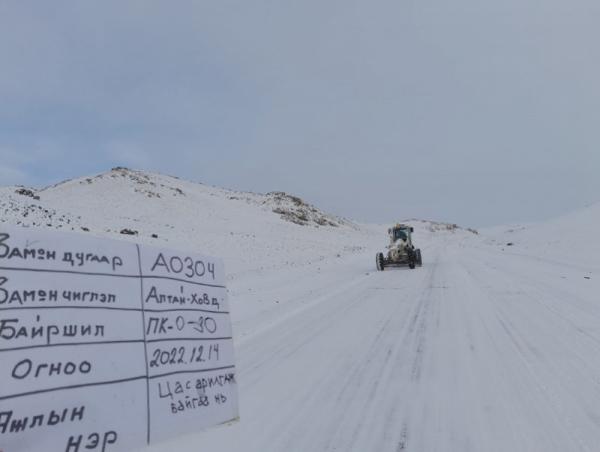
(347, 103)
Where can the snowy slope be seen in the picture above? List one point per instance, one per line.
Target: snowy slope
(245, 229)
(572, 238)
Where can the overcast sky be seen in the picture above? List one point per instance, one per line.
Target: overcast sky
(472, 111)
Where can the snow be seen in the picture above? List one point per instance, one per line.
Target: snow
(571, 238)
(240, 227)
(487, 347)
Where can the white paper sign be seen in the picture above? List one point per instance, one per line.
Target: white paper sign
(108, 345)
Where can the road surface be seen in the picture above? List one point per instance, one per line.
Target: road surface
(479, 350)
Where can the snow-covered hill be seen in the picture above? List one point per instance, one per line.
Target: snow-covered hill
(250, 231)
(571, 238)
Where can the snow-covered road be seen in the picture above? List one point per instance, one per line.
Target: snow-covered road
(487, 347)
(479, 350)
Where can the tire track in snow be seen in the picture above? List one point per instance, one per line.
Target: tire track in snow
(516, 340)
(383, 383)
(338, 308)
(404, 367)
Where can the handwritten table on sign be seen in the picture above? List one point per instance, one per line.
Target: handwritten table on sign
(109, 345)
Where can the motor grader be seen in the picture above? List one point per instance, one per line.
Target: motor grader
(401, 250)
